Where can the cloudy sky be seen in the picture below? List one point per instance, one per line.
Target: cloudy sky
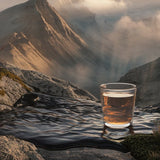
(9, 3)
(137, 8)
(129, 7)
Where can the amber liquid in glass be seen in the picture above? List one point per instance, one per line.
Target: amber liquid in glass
(118, 108)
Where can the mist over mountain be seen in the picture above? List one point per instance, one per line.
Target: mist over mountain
(125, 32)
(34, 36)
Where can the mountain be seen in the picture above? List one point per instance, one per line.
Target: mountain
(78, 16)
(81, 19)
(147, 79)
(34, 36)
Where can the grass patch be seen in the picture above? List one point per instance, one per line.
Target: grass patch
(144, 147)
(5, 72)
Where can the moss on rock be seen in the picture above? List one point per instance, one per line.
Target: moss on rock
(144, 147)
(5, 72)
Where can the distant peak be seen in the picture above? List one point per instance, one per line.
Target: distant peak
(43, 4)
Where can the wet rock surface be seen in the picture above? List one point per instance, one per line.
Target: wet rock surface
(61, 123)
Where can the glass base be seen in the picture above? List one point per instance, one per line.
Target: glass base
(117, 126)
(117, 134)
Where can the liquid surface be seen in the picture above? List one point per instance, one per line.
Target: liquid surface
(58, 122)
(118, 108)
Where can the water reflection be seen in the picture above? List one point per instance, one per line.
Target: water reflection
(116, 134)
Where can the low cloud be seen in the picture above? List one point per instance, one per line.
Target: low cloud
(105, 6)
(136, 39)
(80, 75)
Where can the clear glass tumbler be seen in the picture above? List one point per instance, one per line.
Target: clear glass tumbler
(118, 101)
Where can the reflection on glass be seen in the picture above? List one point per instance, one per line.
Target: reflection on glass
(116, 134)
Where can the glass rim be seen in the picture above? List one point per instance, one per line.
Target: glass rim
(133, 86)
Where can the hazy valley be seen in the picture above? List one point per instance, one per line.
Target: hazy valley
(123, 35)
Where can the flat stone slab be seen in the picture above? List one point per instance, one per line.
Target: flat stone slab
(85, 154)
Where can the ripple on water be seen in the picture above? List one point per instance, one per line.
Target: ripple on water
(67, 122)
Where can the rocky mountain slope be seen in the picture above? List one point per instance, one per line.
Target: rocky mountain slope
(78, 15)
(83, 21)
(15, 82)
(147, 79)
(34, 36)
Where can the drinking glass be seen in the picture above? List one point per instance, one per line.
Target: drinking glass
(118, 102)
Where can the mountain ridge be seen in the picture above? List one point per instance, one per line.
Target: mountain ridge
(34, 36)
(147, 79)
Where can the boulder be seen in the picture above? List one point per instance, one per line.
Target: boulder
(12, 148)
(11, 89)
(86, 154)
